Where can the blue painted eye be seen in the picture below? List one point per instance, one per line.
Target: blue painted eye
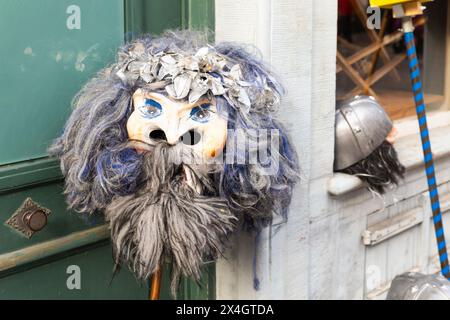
(201, 113)
(151, 109)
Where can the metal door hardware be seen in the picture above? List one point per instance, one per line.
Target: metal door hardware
(29, 218)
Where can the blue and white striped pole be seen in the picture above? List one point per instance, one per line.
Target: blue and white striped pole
(414, 68)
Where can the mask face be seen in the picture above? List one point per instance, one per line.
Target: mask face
(198, 125)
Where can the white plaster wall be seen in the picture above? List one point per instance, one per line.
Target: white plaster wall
(319, 252)
(297, 37)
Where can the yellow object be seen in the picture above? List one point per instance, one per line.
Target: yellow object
(390, 3)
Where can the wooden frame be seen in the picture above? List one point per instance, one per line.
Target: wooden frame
(377, 49)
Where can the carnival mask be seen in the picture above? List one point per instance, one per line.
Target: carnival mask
(147, 141)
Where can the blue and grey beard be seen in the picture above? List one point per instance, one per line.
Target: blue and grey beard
(169, 220)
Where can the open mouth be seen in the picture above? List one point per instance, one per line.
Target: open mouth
(183, 172)
(187, 176)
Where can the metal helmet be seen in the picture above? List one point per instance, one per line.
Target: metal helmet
(361, 126)
(417, 286)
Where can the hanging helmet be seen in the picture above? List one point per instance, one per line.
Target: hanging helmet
(417, 286)
(361, 126)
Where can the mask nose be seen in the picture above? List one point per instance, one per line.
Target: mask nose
(158, 135)
(161, 135)
(191, 137)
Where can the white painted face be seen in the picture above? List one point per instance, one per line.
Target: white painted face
(197, 125)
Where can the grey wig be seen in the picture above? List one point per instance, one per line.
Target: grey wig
(154, 218)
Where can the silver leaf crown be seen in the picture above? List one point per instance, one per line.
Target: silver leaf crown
(190, 76)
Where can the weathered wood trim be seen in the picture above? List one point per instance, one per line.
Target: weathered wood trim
(297, 38)
(22, 174)
(46, 249)
(198, 14)
(390, 227)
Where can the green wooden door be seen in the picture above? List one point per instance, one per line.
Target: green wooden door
(49, 49)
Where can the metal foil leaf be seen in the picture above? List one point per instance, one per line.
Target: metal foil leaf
(157, 85)
(244, 83)
(235, 72)
(199, 87)
(155, 68)
(195, 95)
(168, 59)
(203, 51)
(220, 65)
(171, 69)
(135, 66)
(181, 85)
(189, 64)
(146, 74)
(122, 76)
(183, 75)
(243, 97)
(170, 90)
(228, 82)
(162, 72)
(217, 88)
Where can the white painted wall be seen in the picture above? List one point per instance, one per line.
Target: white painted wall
(319, 252)
(297, 37)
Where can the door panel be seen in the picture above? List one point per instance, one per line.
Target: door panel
(49, 281)
(49, 49)
(60, 222)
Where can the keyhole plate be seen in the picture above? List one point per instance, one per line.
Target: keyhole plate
(18, 221)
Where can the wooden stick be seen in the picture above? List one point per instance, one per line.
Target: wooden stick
(353, 74)
(388, 39)
(368, 83)
(381, 34)
(155, 288)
